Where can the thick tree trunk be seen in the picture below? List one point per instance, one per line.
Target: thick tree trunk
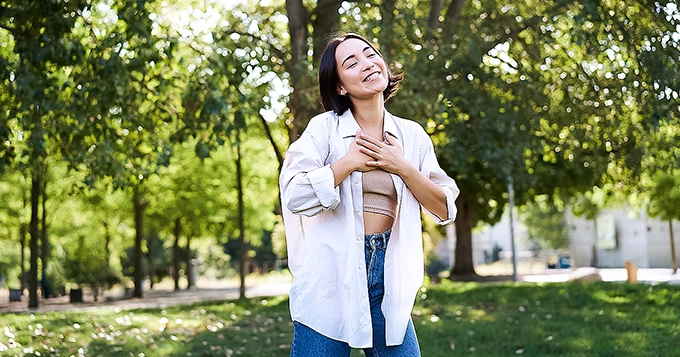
(175, 252)
(433, 20)
(298, 20)
(463, 265)
(325, 23)
(453, 13)
(241, 222)
(138, 207)
(387, 37)
(35, 237)
(304, 101)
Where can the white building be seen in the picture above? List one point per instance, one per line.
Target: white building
(624, 235)
(485, 239)
(620, 235)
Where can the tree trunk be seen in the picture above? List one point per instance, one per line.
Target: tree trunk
(241, 223)
(674, 259)
(387, 34)
(138, 207)
(22, 243)
(151, 247)
(191, 282)
(304, 100)
(35, 237)
(175, 252)
(433, 20)
(325, 23)
(453, 13)
(107, 242)
(298, 21)
(463, 264)
(44, 243)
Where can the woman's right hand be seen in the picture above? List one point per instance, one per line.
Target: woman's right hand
(358, 159)
(354, 160)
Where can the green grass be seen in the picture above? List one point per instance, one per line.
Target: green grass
(451, 319)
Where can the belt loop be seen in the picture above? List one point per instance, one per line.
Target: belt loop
(378, 240)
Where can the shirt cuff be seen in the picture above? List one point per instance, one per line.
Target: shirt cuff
(323, 183)
(450, 206)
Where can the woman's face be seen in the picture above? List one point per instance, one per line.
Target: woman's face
(361, 70)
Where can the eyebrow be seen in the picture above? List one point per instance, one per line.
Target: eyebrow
(352, 56)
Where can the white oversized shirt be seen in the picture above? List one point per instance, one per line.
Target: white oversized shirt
(325, 231)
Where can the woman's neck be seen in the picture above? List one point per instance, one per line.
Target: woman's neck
(369, 115)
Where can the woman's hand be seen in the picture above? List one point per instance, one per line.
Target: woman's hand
(387, 155)
(357, 156)
(354, 160)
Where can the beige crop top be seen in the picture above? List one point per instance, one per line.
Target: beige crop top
(380, 196)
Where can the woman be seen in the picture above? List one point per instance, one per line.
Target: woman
(352, 186)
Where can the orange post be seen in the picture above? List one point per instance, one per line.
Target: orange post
(631, 269)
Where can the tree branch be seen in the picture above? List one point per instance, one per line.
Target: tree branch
(279, 156)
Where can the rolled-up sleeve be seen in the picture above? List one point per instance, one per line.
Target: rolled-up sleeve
(430, 167)
(307, 182)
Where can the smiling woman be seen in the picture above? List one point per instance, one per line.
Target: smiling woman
(352, 188)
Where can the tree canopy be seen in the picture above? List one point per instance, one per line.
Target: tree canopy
(183, 109)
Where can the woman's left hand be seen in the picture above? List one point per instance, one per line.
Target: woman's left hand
(388, 155)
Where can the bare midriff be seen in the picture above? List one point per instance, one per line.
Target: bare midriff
(376, 222)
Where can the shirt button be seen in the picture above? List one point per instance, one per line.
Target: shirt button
(357, 210)
(358, 238)
(356, 182)
(365, 316)
(359, 267)
(363, 295)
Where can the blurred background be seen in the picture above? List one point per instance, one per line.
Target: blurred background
(141, 141)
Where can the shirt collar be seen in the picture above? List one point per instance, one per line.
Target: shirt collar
(348, 126)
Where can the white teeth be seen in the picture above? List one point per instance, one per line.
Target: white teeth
(372, 77)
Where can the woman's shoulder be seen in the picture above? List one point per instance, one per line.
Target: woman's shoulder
(409, 126)
(324, 119)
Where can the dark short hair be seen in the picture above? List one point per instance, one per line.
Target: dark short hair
(328, 76)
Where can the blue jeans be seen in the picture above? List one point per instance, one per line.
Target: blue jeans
(309, 343)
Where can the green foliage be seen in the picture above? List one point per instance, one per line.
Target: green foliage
(665, 196)
(546, 223)
(9, 265)
(553, 93)
(149, 96)
(86, 261)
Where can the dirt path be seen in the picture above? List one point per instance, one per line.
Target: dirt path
(161, 296)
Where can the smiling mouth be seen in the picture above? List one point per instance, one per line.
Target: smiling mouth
(372, 76)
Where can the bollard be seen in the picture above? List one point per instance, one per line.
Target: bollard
(631, 269)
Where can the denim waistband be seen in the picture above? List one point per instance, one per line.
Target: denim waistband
(376, 241)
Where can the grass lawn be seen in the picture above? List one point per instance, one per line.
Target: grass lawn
(451, 319)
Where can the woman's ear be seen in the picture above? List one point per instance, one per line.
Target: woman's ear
(341, 91)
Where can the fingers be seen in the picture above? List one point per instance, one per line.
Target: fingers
(392, 140)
